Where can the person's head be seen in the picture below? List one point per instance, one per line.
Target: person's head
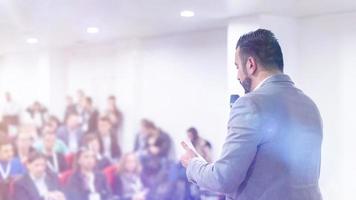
(86, 159)
(6, 149)
(88, 103)
(49, 140)
(130, 163)
(147, 127)
(36, 106)
(192, 133)
(91, 140)
(104, 125)
(111, 102)
(257, 56)
(48, 127)
(53, 122)
(24, 141)
(72, 121)
(36, 164)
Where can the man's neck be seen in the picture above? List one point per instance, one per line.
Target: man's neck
(262, 76)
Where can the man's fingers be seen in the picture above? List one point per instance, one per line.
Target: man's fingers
(185, 146)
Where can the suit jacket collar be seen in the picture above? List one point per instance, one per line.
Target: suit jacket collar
(278, 78)
(32, 187)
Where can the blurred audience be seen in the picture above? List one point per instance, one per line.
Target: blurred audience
(70, 133)
(86, 183)
(152, 141)
(40, 155)
(36, 184)
(90, 116)
(70, 107)
(202, 146)
(114, 114)
(53, 123)
(56, 161)
(127, 184)
(23, 145)
(92, 141)
(10, 167)
(109, 144)
(153, 147)
(59, 146)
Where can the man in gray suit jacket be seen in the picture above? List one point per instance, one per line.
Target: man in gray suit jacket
(273, 146)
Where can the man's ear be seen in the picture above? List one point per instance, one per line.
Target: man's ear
(251, 65)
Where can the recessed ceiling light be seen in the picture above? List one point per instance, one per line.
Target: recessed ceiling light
(93, 30)
(32, 40)
(187, 13)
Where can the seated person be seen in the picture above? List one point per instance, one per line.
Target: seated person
(91, 140)
(23, 145)
(127, 182)
(56, 162)
(10, 167)
(85, 183)
(59, 146)
(109, 144)
(202, 146)
(154, 154)
(70, 133)
(36, 184)
(153, 141)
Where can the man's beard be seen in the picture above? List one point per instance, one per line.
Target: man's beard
(246, 84)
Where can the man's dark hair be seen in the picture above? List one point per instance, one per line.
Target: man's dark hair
(194, 132)
(148, 124)
(263, 46)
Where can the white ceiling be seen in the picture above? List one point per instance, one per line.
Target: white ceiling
(63, 22)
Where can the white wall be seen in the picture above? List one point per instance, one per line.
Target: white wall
(26, 75)
(327, 73)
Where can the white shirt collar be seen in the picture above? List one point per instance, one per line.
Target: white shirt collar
(261, 83)
(40, 185)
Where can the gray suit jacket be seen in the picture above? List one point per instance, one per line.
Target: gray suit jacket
(272, 149)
